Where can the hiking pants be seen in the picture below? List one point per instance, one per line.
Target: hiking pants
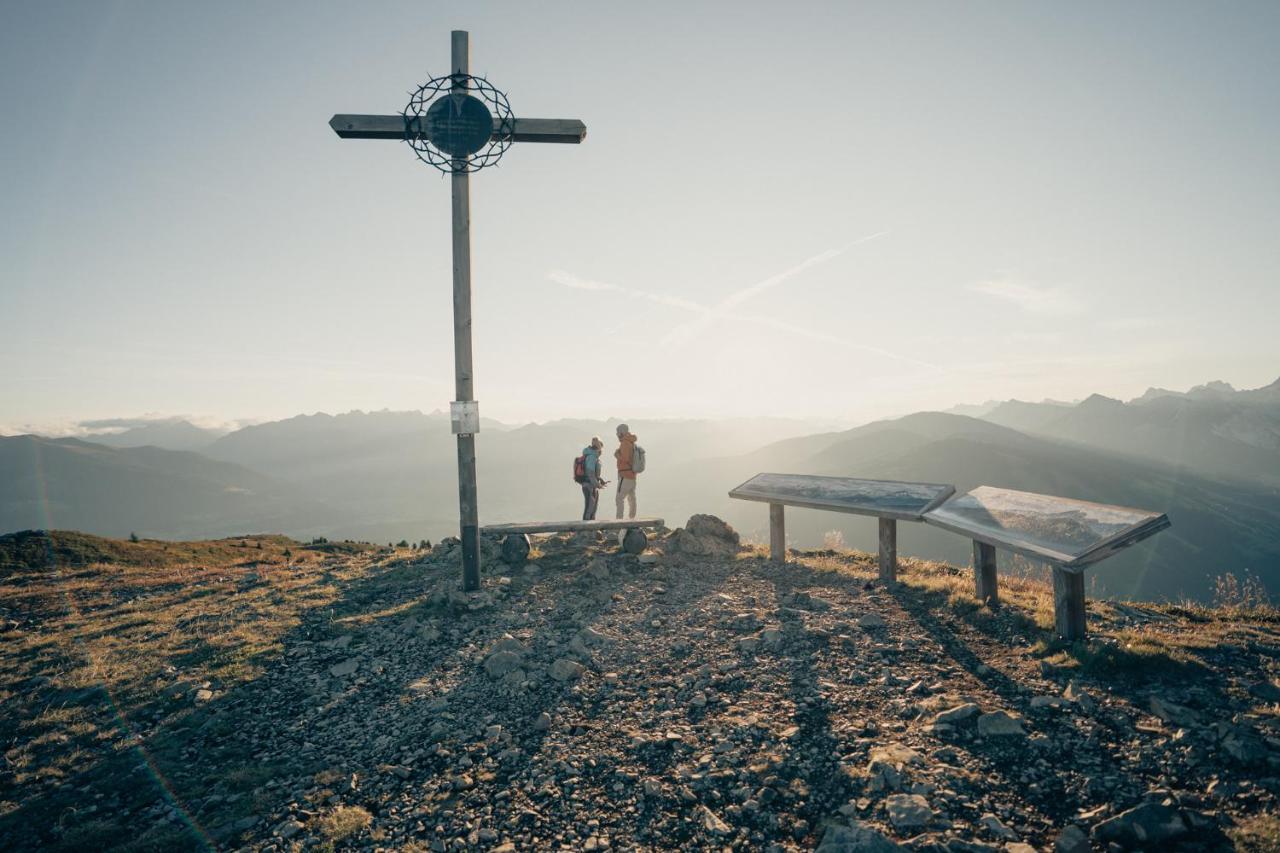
(590, 500)
(627, 492)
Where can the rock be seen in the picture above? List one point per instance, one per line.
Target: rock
(908, 811)
(1075, 693)
(999, 724)
(508, 643)
(705, 536)
(886, 765)
(1171, 712)
(542, 723)
(500, 663)
(856, 838)
(1018, 847)
(1267, 691)
(1142, 826)
(591, 638)
(871, 621)
(204, 695)
(712, 823)
(1072, 840)
(1047, 701)
(997, 828)
(566, 670)
(347, 667)
(958, 714)
(289, 828)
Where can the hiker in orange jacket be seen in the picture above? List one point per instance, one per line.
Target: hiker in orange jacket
(626, 477)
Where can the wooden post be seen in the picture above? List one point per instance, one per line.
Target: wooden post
(984, 573)
(777, 533)
(888, 550)
(1068, 604)
(462, 369)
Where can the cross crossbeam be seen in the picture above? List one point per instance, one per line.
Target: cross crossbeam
(564, 130)
(457, 139)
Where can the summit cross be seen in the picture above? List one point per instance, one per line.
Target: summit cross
(459, 134)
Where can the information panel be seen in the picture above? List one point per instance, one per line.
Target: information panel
(883, 498)
(1067, 532)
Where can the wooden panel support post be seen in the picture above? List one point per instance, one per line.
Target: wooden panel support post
(777, 533)
(888, 550)
(1068, 604)
(984, 573)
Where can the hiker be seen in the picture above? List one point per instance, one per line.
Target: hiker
(590, 478)
(628, 467)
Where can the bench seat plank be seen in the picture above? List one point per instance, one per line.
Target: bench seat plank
(571, 526)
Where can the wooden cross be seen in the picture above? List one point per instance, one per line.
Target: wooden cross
(465, 411)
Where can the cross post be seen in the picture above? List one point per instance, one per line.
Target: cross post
(465, 413)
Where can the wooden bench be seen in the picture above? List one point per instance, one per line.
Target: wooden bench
(888, 500)
(1068, 534)
(515, 547)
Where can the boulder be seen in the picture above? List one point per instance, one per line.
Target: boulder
(705, 536)
(566, 670)
(1147, 825)
(908, 811)
(999, 724)
(871, 622)
(347, 667)
(1072, 840)
(958, 714)
(856, 838)
(500, 663)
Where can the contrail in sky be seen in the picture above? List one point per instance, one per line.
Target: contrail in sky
(724, 309)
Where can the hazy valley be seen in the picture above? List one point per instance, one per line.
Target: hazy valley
(1210, 458)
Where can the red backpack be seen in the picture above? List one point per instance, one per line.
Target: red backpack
(580, 469)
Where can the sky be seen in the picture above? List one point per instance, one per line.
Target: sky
(841, 211)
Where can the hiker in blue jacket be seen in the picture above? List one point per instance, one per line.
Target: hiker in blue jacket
(591, 483)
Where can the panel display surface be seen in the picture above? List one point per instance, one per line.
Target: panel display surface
(1061, 530)
(886, 498)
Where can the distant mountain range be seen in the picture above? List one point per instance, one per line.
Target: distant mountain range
(166, 433)
(1212, 429)
(1209, 457)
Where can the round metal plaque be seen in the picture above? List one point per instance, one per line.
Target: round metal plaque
(459, 125)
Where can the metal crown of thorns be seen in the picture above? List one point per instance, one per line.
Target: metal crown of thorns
(461, 129)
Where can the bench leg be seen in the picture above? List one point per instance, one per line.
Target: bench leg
(634, 541)
(888, 550)
(515, 549)
(777, 533)
(984, 573)
(1068, 604)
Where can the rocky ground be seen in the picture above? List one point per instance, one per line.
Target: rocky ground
(696, 697)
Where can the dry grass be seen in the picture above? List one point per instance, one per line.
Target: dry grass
(342, 823)
(108, 642)
(1258, 835)
(1156, 646)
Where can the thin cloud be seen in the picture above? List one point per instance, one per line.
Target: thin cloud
(1029, 297)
